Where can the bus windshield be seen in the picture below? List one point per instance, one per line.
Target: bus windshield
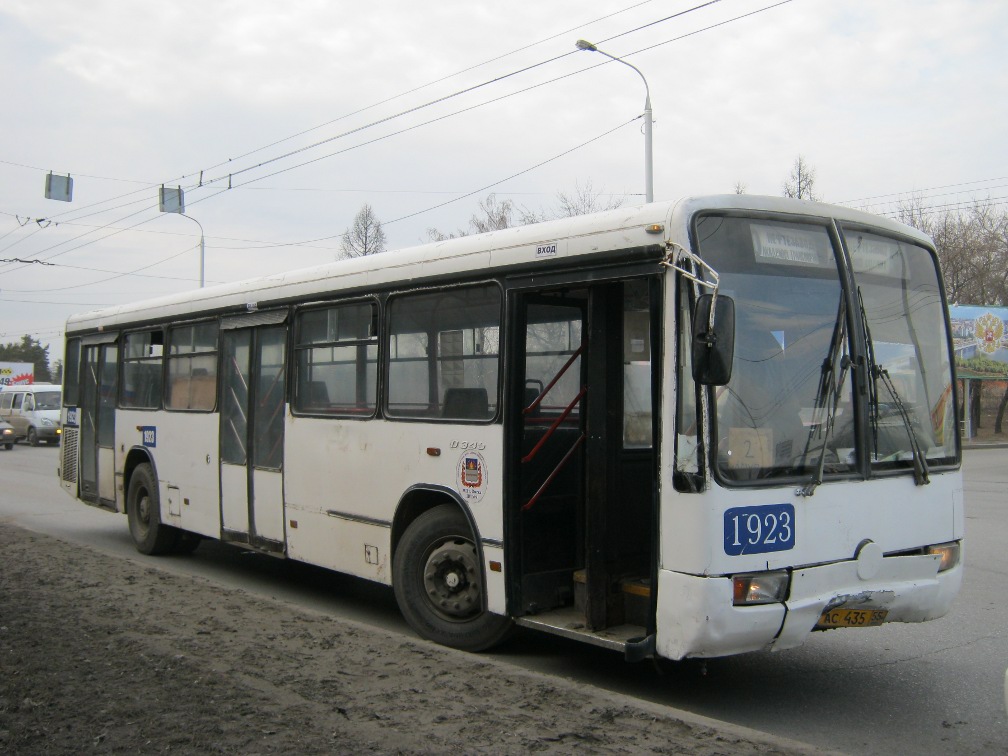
(905, 325)
(790, 409)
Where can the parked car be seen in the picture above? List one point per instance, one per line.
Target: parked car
(7, 435)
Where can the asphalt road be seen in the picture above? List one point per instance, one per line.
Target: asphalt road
(931, 688)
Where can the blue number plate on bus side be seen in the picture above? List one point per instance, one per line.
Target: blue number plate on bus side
(755, 530)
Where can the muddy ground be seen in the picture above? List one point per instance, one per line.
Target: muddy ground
(100, 655)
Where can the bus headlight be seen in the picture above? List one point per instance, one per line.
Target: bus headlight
(759, 588)
(949, 553)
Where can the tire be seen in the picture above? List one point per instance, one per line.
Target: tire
(438, 583)
(185, 542)
(9, 446)
(32, 436)
(143, 511)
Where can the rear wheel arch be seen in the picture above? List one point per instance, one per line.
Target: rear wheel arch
(421, 498)
(134, 458)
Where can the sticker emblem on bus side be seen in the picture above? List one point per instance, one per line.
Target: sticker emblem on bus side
(471, 476)
(148, 434)
(755, 530)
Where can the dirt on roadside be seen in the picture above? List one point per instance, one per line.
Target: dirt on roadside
(100, 656)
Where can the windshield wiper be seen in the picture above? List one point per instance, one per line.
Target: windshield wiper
(920, 465)
(877, 372)
(829, 388)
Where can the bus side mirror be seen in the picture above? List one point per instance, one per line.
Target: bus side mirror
(713, 347)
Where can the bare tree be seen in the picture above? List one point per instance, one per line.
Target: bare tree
(740, 187)
(494, 214)
(972, 247)
(364, 237)
(584, 200)
(801, 183)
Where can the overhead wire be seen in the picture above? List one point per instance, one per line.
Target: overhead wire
(445, 98)
(435, 81)
(927, 189)
(104, 280)
(149, 185)
(414, 109)
(493, 100)
(375, 123)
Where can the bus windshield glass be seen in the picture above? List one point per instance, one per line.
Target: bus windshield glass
(901, 307)
(789, 410)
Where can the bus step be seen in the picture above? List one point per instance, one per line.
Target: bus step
(580, 582)
(630, 605)
(636, 600)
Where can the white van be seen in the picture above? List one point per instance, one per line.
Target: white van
(34, 411)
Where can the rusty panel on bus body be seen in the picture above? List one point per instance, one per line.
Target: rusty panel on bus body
(183, 447)
(344, 479)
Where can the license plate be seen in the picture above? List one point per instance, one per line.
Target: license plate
(852, 618)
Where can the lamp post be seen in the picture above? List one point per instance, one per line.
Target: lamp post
(173, 201)
(583, 44)
(202, 248)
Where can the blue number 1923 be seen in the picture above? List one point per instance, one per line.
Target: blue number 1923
(754, 530)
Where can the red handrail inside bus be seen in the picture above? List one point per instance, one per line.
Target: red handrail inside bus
(556, 423)
(570, 452)
(557, 377)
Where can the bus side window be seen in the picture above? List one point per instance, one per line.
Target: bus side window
(142, 369)
(444, 354)
(336, 358)
(192, 367)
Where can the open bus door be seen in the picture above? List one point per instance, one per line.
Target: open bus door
(582, 495)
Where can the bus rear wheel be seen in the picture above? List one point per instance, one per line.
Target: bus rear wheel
(143, 511)
(438, 583)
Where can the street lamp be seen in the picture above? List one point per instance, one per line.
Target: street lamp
(202, 248)
(583, 44)
(173, 201)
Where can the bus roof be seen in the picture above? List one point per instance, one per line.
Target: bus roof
(580, 236)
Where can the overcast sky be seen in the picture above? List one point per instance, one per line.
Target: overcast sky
(311, 108)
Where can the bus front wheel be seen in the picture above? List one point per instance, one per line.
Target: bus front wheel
(438, 583)
(143, 510)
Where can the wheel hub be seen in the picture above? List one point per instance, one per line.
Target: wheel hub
(451, 580)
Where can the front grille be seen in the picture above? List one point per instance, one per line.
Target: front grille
(70, 438)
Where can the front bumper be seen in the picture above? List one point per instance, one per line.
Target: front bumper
(696, 616)
(48, 432)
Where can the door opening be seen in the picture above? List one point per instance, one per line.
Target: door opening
(583, 490)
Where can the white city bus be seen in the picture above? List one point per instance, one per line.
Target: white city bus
(550, 426)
